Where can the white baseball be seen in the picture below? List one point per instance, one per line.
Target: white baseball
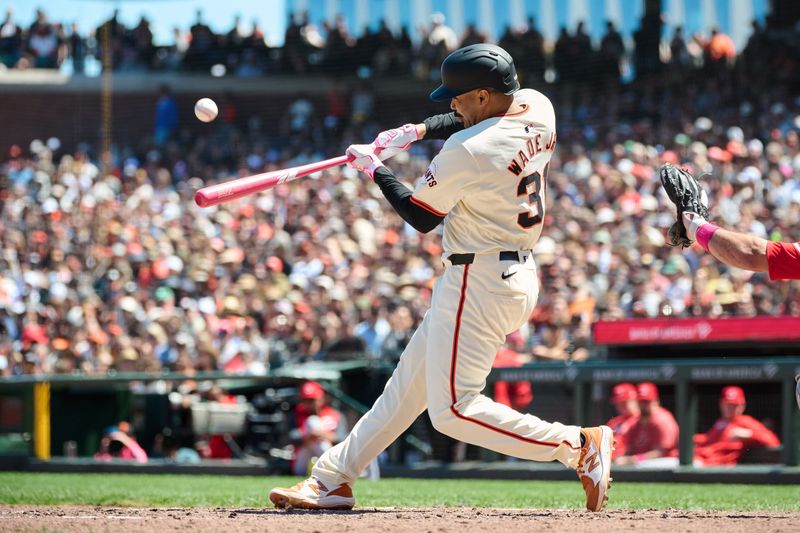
(206, 109)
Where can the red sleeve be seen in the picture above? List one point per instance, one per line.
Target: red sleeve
(501, 393)
(783, 260)
(761, 434)
(719, 453)
(668, 432)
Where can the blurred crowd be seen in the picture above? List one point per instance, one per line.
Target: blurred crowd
(330, 48)
(120, 270)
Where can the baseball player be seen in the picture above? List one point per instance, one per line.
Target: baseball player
(652, 439)
(487, 185)
(732, 434)
(781, 260)
(624, 399)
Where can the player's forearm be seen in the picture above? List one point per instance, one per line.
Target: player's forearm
(439, 126)
(739, 250)
(652, 454)
(639, 457)
(399, 196)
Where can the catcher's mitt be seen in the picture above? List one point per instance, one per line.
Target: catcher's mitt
(687, 195)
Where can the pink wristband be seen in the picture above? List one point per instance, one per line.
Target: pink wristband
(704, 234)
(639, 457)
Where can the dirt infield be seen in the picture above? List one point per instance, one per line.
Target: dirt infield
(370, 520)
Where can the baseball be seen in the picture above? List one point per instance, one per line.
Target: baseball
(206, 109)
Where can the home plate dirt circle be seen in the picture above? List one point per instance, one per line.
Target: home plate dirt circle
(370, 520)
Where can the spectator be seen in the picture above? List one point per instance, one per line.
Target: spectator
(77, 50)
(530, 48)
(438, 41)
(516, 394)
(116, 443)
(564, 56)
(166, 116)
(679, 53)
(373, 330)
(612, 51)
(653, 439)
(319, 426)
(142, 38)
(200, 54)
(401, 323)
(473, 36)
(177, 52)
(43, 42)
(299, 114)
(10, 40)
(294, 56)
(732, 434)
(624, 400)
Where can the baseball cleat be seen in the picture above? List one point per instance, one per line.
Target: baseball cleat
(311, 493)
(594, 465)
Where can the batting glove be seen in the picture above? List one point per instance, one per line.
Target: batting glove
(364, 158)
(392, 142)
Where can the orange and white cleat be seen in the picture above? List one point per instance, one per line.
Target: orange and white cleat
(311, 493)
(594, 465)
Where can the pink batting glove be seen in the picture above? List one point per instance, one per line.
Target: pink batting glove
(364, 158)
(392, 142)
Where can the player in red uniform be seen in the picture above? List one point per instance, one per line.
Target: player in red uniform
(780, 259)
(732, 434)
(319, 426)
(654, 436)
(623, 396)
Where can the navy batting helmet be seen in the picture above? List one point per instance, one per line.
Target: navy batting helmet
(476, 66)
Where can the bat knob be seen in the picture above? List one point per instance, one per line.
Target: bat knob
(201, 199)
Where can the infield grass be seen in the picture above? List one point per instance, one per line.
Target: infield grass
(146, 490)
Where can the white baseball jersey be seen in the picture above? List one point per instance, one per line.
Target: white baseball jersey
(489, 180)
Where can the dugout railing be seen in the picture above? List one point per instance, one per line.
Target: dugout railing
(26, 400)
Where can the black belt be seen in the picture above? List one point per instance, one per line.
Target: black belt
(468, 259)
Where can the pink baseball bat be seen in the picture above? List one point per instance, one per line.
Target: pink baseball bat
(233, 189)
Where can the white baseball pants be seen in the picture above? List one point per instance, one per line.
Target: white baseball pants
(444, 369)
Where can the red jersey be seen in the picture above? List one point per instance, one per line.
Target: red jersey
(515, 394)
(783, 260)
(621, 426)
(327, 420)
(660, 431)
(720, 447)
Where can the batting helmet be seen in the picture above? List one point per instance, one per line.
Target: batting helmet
(476, 66)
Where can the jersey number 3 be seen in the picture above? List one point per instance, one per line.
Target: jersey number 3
(531, 186)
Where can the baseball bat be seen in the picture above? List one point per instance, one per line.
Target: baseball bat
(233, 189)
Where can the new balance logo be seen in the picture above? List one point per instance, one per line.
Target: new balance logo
(591, 465)
(317, 487)
(592, 462)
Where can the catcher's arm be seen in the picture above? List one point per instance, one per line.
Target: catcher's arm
(736, 249)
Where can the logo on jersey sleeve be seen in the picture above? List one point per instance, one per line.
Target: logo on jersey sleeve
(430, 176)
